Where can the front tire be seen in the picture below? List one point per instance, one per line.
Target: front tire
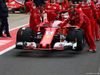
(77, 36)
(25, 34)
(22, 9)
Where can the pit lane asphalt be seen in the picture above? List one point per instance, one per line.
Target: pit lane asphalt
(21, 62)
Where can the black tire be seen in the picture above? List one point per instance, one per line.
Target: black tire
(76, 36)
(80, 40)
(13, 11)
(25, 34)
(22, 9)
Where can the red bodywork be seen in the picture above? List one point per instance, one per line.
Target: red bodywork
(53, 28)
(14, 4)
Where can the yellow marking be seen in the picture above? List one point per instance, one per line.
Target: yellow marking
(82, 4)
(47, 36)
(7, 6)
(23, 28)
(75, 39)
(21, 32)
(63, 30)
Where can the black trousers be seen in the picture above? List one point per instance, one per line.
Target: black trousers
(39, 2)
(4, 25)
(75, 1)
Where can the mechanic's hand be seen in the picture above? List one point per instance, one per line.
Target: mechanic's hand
(37, 25)
(60, 17)
(98, 21)
(94, 17)
(77, 28)
(9, 9)
(59, 27)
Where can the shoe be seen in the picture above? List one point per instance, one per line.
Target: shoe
(94, 50)
(97, 39)
(90, 49)
(2, 36)
(9, 36)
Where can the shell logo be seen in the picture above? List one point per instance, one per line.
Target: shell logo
(47, 36)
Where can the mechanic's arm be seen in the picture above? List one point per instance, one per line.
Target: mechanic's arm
(94, 10)
(62, 6)
(81, 19)
(58, 8)
(65, 22)
(46, 6)
(79, 5)
(35, 19)
(50, 12)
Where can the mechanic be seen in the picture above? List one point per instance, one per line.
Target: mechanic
(54, 8)
(89, 9)
(29, 5)
(57, 1)
(77, 17)
(4, 19)
(39, 2)
(96, 25)
(70, 2)
(35, 17)
(64, 4)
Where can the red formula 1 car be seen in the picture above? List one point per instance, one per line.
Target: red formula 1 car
(16, 6)
(50, 37)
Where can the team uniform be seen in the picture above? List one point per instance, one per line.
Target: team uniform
(35, 19)
(29, 5)
(68, 7)
(64, 5)
(57, 1)
(89, 10)
(96, 25)
(82, 21)
(54, 8)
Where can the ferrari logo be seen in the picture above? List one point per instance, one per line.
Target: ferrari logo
(49, 6)
(82, 4)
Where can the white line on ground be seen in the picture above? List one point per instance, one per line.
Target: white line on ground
(18, 27)
(8, 49)
(98, 73)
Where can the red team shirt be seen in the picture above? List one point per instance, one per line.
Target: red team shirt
(78, 18)
(54, 8)
(89, 9)
(35, 19)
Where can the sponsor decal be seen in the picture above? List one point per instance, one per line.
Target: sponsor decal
(54, 7)
(47, 36)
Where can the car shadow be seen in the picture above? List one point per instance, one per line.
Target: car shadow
(48, 54)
